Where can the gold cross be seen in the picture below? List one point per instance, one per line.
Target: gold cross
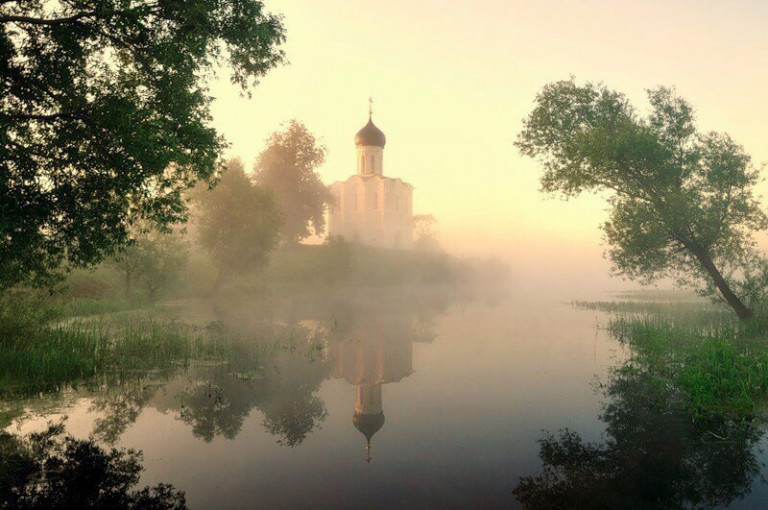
(370, 107)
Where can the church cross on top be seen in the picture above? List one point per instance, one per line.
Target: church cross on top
(370, 107)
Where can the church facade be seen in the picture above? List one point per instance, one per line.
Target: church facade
(369, 208)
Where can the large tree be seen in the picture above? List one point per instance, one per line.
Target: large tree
(287, 167)
(238, 222)
(681, 201)
(105, 117)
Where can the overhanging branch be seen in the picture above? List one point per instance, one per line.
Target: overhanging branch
(43, 21)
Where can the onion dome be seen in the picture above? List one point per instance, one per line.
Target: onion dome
(370, 135)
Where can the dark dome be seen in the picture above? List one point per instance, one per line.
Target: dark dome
(370, 135)
(368, 424)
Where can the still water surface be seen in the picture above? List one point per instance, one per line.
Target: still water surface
(383, 400)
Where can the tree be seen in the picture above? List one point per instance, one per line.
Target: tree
(153, 258)
(166, 255)
(52, 470)
(239, 222)
(105, 118)
(424, 228)
(681, 201)
(287, 167)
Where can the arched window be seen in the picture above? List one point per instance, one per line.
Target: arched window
(373, 167)
(362, 163)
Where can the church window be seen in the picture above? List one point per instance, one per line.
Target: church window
(362, 160)
(373, 167)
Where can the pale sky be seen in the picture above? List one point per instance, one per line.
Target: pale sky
(452, 81)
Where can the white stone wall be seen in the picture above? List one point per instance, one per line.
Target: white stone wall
(373, 210)
(370, 160)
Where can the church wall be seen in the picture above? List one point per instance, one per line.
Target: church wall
(373, 210)
(370, 160)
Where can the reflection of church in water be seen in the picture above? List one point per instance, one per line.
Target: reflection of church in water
(369, 357)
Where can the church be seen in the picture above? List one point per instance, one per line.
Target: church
(369, 208)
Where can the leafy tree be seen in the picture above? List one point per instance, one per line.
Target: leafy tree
(287, 167)
(681, 201)
(153, 258)
(239, 222)
(424, 229)
(128, 262)
(105, 118)
(165, 256)
(50, 470)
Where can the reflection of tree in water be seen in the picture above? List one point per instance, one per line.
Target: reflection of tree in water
(282, 387)
(293, 417)
(121, 409)
(653, 455)
(277, 369)
(50, 470)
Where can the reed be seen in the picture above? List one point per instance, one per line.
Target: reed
(716, 363)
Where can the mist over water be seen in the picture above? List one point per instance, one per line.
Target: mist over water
(464, 382)
(223, 286)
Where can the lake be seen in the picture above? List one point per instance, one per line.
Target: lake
(404, 398)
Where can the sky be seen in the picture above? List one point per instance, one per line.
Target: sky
(452, 82)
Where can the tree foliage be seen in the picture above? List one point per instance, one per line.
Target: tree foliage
(105, 118)
(681, 201)
(51, 470)
(152, 258)
(287, 167)
(424, 230)
(238, 222)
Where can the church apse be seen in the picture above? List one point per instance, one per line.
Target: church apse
(370, 208)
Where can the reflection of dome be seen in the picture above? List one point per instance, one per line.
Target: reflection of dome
(368, 424)
(370, 135)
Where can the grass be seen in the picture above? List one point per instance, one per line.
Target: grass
(58, 352)
(50, 356)
(717, 365)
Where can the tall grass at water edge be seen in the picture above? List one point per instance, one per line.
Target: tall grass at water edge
(716, 364)
(52, 355)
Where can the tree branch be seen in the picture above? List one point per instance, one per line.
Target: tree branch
(43, 21)
(45, 118)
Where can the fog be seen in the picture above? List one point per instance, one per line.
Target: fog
(319, 270)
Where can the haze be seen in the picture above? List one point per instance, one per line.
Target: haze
(452, 81)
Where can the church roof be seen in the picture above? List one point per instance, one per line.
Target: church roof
(370, 135)
(366, 177)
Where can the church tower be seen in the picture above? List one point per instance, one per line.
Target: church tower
(372, 209)
(370, 142)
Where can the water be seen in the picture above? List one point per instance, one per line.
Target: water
(453, 393)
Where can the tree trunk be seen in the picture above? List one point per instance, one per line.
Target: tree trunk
(702, 255)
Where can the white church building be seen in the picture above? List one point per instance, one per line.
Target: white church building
(372, 209)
